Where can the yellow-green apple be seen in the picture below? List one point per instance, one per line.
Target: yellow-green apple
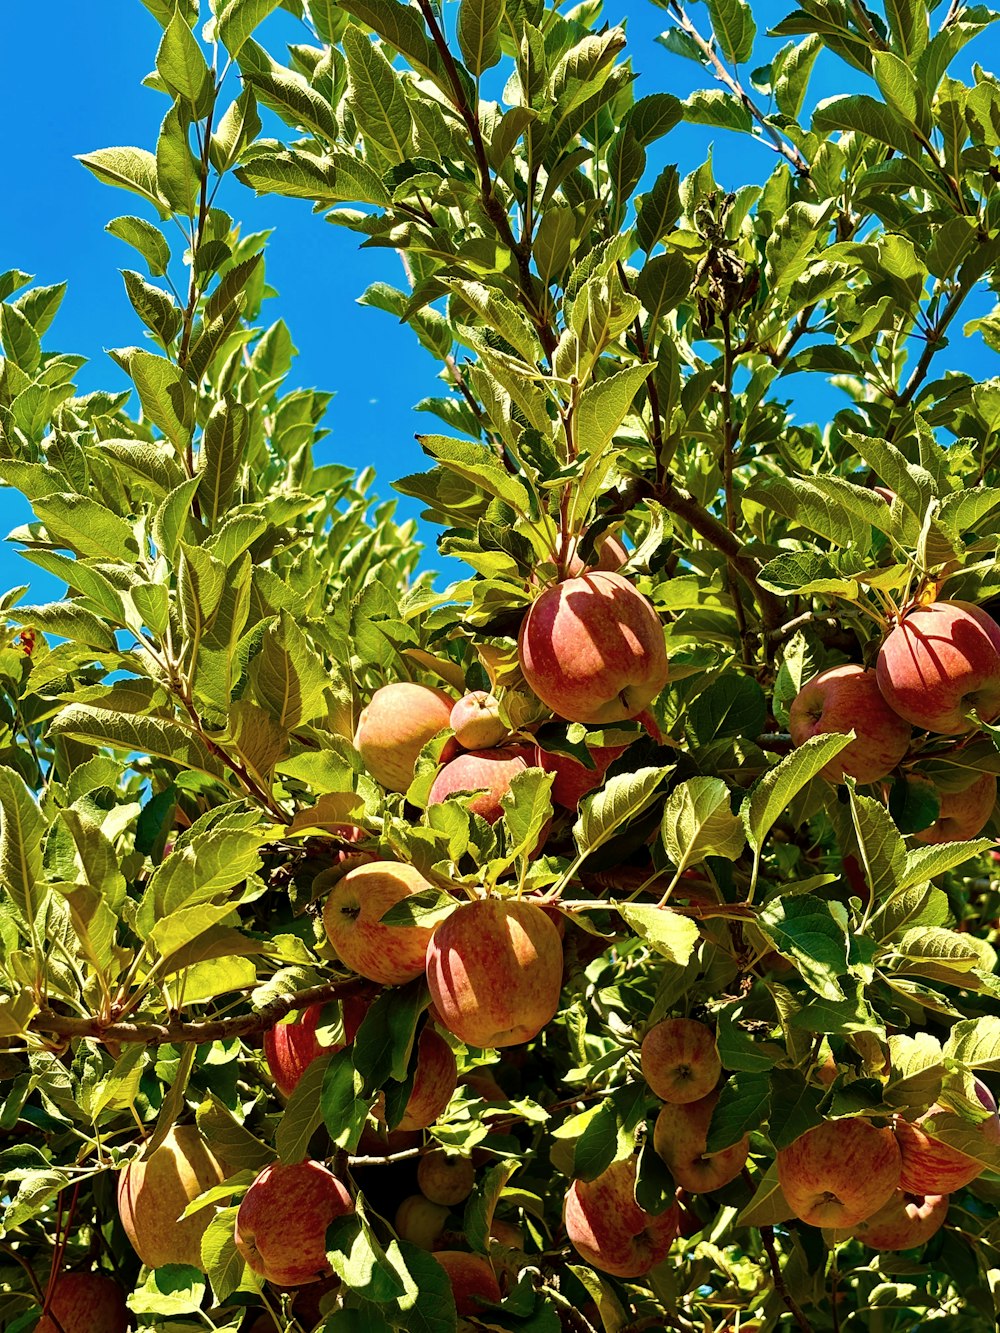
(592, 648)
(476, 721)
(573, 780)
(487, 772)
(963, 813)
(282, 1220)
(840, 1172)
(434, 1080)
(472, 1279)
(290, 1048)
(395, 727)
(680, 1136)
(847, 698)
(494, 968)
(445, 1177)
(85, 1303)
(154, 1191)
(906, 1221)
(680, 1060)
(420, 1221)
(391, 955)
(609, 1230)
(932, 1167)
(939, 663)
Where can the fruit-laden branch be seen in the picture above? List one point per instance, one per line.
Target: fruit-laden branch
(787, 150)
(177, 1031)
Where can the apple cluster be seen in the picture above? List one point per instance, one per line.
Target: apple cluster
(938, 670)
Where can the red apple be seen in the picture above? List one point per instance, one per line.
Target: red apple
(434, 1080)
(154, 1191)
(290, 1048)
(847, 698)
(472, 1280)
(476, 721)
(963, 813)
(906, 1221)
(420, 1221)
(609, 1230)
(281, 1223)
(396, 726)
(610, 554)
(592, 649)
(573, 779)
(494, 968)
(680, 1060)
(840, 1172)
(488, 772)
(445, 1177)
(940, 662)
(932, 1167)
(680, 1136)
(85, 1303)
(391, 955)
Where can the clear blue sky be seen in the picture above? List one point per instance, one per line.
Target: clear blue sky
(70, 82)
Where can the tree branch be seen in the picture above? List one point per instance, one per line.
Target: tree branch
(787, 150)
(177, 1031)
(778, 1277)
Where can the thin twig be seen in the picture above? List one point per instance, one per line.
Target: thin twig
(778, 1278)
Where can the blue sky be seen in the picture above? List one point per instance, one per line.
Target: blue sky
(70, 82)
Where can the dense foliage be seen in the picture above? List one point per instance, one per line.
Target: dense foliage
(180, 788)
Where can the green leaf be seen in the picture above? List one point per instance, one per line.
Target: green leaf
(670, 934)
(177, 171)
(793, 79)
(733, 25)
(621, 799)
(238, 127)
(20, 341)
(711, 106)
(303, 1114)
(900, 89)
(479, 465)
(133, 734)
(769, 798)
(87, 527)
(171, 1290)
(743, 1106)
(238, 19)
(130, 168)
(155, 308)
(657, 211)
(650, 118)
(344, 1108)
(230, 1139)
(22, 827)
(698, 822)
(882, 852)
(604, 406)
(813, 934)
(384, 1042)
(479, 33)
(479, 1210)
(975, 1043)
(288, 675)
(527, 810)
(181, 64)
(908, 25)
(805, 573)
(220, 458)
(377, 98)
(224, 1265)
(165, 395)
(924, 863)
(173, 517)
(864, 115)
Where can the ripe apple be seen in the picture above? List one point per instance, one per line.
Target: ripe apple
(290, 1048)
(85, 1303)
(434, 1080)
(391, 955)
(932, 1167)
(680, 1060)
(494, 968)
(472, 1280)
(680, 1136)
(281, 1223)
(846, 698)
(395, 727)
(840, 1172)
(154, 1191)
(420, 1221)
(963, 813)
(488, 772)
(476, 721)
(610, 554)
(445, 1177)
(609, 1230)
(906, 1221)
(574, 780)
(940, 662)
(592, 649)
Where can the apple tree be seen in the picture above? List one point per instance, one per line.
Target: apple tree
(605, 941)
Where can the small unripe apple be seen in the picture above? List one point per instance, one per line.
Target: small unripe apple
(494, 968)
(680, 1060)
(445, 1177)
(154, 1191)
(940, 662)
(609, 1230)
(476, 721)
(281, 1223)
(395, 727)
(847, 698)
(85, 1303)
(840, 1172)
(391, 955)
(472, 1280)
(592, 648)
